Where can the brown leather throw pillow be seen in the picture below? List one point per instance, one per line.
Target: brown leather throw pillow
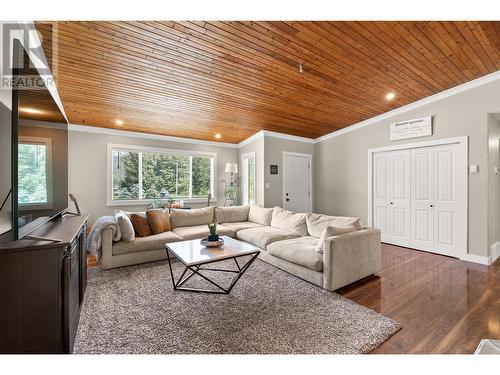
(140, 224)
(158, 220)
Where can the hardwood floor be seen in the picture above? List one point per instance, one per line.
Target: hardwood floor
(444, 305)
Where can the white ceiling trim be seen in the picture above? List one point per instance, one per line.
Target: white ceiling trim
(267, 133)
(419, 103)
(157, 137)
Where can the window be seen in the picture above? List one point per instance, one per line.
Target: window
(248, 178)
(143, 174)
(34, 172)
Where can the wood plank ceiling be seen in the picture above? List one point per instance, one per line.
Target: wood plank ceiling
(196, 79)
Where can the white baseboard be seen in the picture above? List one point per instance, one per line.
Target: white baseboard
(494, 251)
(476, 259)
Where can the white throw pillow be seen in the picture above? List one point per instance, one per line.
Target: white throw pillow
(316, 223)
(331, 231)
(290, 221)
(189, 218)
(260, 215)
(231, 214)
(125, 225)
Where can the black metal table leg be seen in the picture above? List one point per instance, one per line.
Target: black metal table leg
(195, 270)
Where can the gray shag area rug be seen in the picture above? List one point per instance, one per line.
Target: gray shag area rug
(135, 310)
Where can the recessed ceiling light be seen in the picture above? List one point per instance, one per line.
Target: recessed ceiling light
(217, 136)
(119, 122)
(390, 96)
(30, 110)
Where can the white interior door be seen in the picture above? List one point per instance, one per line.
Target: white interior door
(422, 200)
(391, 196)
(297, 182)
(419, 196)
(400, 197)
(382, 195)
(449, 194)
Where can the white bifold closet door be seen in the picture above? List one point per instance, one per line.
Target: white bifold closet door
(438, 191)
(391, 196)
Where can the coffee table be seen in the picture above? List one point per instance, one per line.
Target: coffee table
(195, 257)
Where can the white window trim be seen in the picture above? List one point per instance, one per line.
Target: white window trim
(139, 202)
(248, 155)
(48, 173)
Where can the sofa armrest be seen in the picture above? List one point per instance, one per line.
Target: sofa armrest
(106, 248)
(350, 257)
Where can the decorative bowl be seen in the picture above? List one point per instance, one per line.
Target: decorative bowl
(205, 242)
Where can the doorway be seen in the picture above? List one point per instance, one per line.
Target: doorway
(297, 181)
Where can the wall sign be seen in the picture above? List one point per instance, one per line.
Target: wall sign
(419, 127)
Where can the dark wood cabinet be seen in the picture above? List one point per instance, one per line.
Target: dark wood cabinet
(42, 285)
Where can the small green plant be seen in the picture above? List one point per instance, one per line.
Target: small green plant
(212, 228)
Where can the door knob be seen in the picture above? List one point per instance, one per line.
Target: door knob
(431, 205)
(392, 202)
(287, 199)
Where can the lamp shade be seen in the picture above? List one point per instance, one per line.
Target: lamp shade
(231, 168)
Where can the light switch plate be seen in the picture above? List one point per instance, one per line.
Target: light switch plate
(267, 185)
(474, 169)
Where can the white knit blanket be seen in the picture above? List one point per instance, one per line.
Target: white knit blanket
(94, 240)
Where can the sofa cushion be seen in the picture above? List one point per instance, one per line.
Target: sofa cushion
(231, 214)
(300, 251)
(154, 242)
(290, 221)
(187, 218)
(126, 228)
(263, 236)
(316, 223)
(329, 232)
(200, 231)
(260, 215)
(140, 224)
(158, 220)
(236, 227)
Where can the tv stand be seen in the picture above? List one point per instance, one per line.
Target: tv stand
(43, 279)
(40, 238)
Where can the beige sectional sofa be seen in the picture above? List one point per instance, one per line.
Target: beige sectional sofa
(288, 240)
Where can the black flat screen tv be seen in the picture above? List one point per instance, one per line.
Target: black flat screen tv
(39, 151)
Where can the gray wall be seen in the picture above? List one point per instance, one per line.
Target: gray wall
(273, 154)
(342, 170)
(88, 169)
(269, 150)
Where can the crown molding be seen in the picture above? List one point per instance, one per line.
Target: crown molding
(419, 103)
(250, 139)
(267, 133)
(288, 137)
(157, 137)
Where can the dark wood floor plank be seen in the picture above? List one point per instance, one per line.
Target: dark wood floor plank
(444, 305)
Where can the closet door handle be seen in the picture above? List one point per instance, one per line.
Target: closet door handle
(392, 202)
(431, 205)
